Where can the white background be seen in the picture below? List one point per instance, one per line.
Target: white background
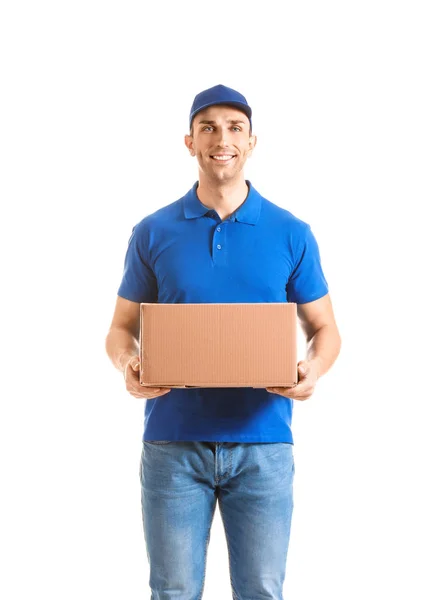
(94, 107)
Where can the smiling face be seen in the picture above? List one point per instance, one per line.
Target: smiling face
(221, 141)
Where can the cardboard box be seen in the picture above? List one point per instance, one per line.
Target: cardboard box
(218, 345)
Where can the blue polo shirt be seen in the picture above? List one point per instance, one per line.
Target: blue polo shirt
(185, 253)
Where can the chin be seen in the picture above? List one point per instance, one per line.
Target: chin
(224, 176)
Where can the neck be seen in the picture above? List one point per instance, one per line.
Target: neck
(224, 198)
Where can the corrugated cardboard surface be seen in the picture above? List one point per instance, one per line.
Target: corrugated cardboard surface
(218, 345)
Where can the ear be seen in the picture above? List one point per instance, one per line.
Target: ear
(188, 140)
(252, 143)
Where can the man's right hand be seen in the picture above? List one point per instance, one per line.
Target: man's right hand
(132, 380)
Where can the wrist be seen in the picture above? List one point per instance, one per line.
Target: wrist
(316, 365)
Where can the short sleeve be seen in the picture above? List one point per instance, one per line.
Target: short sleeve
(139, 283)
(307, 281)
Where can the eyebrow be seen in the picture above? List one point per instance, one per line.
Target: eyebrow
(233, 121)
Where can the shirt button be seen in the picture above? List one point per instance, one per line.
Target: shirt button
(218, 246)
(218, 229)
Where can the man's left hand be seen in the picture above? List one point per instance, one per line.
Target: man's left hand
(307, 378)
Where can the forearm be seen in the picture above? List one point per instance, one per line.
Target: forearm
(323, 348)
(121, 345)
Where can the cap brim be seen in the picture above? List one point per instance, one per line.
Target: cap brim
(243, 107)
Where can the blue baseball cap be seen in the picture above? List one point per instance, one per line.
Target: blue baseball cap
(220, 94)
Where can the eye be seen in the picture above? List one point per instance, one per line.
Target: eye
(236, 127)
(207, 127)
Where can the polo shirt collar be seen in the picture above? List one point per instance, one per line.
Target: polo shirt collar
(248, 212)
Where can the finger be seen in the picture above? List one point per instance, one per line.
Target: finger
(297, 392)
(283, 390)
(147, 392)
(303, 396)
(303, 391)
(148, 396)
(139, 389)
(134, 363)
(157, 394)
(303, 371)
(132, 368)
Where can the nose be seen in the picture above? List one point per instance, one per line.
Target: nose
(223, 136)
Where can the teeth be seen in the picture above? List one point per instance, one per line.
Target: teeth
(223, 157)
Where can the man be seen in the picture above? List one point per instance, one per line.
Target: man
(221, 242)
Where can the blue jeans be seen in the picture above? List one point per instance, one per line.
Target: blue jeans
(180, 484)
